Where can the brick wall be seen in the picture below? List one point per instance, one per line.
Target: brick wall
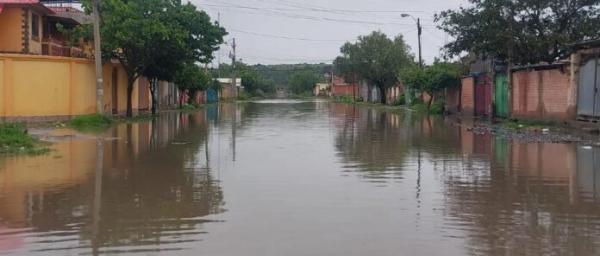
(542, 94)
(466, 96)
(341, 88)
(452, 98)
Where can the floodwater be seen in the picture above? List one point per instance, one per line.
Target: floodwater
(300, 178)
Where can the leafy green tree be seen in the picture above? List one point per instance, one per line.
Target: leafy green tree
(376, 59)
(256, 85)
(154, 37)
(520, 31)
(303, 82)
(191, 79)
(432, 79)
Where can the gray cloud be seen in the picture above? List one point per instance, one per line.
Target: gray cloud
(312, 31)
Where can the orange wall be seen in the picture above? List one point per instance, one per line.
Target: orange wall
(49, 86)
(10, 29)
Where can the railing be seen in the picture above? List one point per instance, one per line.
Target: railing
(54, 47)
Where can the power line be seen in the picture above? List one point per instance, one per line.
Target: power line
(275, 12)
(316, 8)
(285, 37)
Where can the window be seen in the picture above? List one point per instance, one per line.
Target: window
(35, 26)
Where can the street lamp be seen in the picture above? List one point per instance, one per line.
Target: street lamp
(419, 30)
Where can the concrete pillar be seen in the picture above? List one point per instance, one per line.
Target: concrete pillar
(574, 85)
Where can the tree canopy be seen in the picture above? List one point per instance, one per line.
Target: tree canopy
(191, 78)
(156, 37)
(432, 79)
(376, 59)
(520, 31)
(303, 82)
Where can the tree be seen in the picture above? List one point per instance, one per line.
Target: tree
(376, 59)
(154, 37)
(256, 85)
(191, 78)
(432, 79)
(520, 31)
(303, 82)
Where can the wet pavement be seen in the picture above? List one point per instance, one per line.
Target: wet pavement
(300, 178)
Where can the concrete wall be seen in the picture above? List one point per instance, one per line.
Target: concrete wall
(11, 21)
(467, 97)
(542, 94)
(48, 87)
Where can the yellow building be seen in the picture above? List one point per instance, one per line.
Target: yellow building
(43, 77)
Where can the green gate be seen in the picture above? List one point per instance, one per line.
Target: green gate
(501, 95)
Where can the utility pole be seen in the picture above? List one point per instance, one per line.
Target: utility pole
(219, 51)
(98, 59)
(233, 74)
(420, 31)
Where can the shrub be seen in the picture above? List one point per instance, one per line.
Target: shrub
(91, 122)
(344, 99)
(15, 139)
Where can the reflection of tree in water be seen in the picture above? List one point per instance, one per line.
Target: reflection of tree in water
(368, 142)
(159, 198)
(506, 213)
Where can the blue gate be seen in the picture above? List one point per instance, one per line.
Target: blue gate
(212, 96)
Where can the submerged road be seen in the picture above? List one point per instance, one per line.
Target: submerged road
(300, 178)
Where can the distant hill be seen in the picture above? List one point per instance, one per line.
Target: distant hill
(280, 73)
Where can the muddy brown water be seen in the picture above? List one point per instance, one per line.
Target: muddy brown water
(300, 178)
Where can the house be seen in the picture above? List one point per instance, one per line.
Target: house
(43, 76)
(226, 92)
(322, 89)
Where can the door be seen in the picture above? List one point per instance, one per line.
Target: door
(483, 95)
(115, 90)
(501, 95)
(588, 98)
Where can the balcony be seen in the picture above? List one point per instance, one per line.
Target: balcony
(54, 47)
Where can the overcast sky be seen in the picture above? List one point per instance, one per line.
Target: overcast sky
(312, 31)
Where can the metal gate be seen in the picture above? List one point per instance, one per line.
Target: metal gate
(501, 95)
(588, 98)
(483, 95)
(212, 96)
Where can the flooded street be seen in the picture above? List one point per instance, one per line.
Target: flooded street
(300, 178)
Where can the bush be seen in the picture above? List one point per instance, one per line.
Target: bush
(401, 101)
(91, 122)
(437, 108)
(243, 96)
(15, 139)
(344, 99)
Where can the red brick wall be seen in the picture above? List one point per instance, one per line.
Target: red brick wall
(467, 97)
(341, 88)
(541, 94)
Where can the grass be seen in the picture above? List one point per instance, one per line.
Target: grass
(344, 99)
(437, 108)
(14, 139)
(92, 123)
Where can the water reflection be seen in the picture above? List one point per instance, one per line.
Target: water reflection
(504, 197)
(301, 178)
(142, 188)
